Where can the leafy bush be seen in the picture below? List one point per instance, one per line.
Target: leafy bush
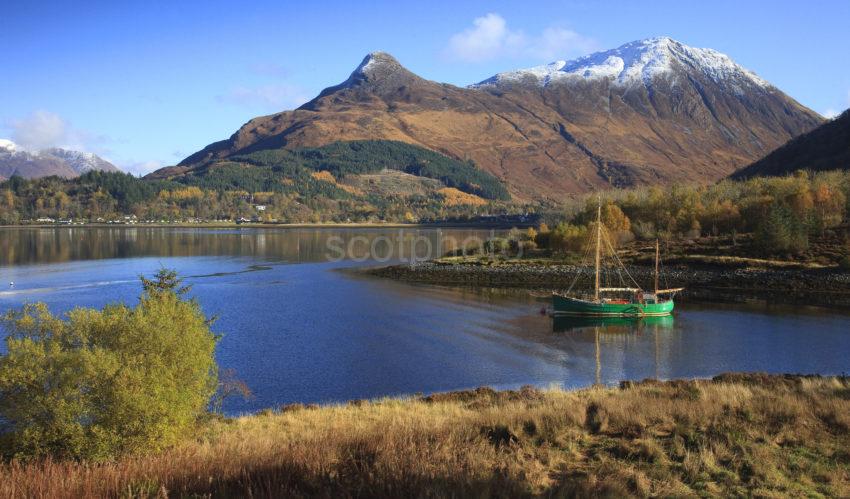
(644, 230)
(568, 238)
(614, 220)
(613, 217)
(496, 245)
(100, 383)
(782, 232)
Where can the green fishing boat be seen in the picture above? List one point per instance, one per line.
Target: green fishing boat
(620, 301)
(644, 305)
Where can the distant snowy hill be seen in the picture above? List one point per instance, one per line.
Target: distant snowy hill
(55, 161)
(81, 162)
(636, 63)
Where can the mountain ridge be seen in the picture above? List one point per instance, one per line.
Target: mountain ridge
(684, 123)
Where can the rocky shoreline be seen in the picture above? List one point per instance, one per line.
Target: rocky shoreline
(826, 286)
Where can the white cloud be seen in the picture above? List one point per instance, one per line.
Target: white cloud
(39, 130)
(277, 97)
(42, 129)
(490, 38)
(561, 43)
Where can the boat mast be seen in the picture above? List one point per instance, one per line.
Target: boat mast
(598, 244)
(656, 266)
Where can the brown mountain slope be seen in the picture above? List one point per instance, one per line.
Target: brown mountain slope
(551, 134)
(827, 147)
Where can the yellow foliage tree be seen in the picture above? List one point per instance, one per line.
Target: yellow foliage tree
(106, 382)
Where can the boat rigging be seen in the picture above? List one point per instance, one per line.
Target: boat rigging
(638, 303)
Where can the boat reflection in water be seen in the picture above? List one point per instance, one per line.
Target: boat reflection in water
(613, 326)
(563, 324)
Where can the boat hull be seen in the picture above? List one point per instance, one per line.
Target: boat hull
(564, 305)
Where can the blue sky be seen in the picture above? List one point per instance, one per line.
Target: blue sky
(145, 84)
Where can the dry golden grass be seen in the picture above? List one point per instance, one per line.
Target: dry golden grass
(768, 436)
(455, 197)
(394, 183)
(324, 176)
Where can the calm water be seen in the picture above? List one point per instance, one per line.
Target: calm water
(298, 327)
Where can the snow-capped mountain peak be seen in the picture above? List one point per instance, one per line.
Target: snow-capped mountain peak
(637, 62)
(7, 145)
(80, 161)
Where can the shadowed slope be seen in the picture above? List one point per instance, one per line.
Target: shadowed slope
(824, 148)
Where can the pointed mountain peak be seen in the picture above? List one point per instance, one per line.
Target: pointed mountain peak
(377, 61)
(637, 62)
(379, 73)
(381, 69)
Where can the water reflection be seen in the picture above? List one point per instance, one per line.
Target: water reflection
(22, 246)
(312, 333)
(613, 326)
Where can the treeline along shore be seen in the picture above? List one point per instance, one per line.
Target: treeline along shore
(786, 236)
(708, 268)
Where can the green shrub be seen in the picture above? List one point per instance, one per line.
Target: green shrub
(568, 238)
(781, 232)
(496, 245)
(99, 383)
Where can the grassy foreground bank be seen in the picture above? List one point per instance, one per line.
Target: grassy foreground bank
(733, 435)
